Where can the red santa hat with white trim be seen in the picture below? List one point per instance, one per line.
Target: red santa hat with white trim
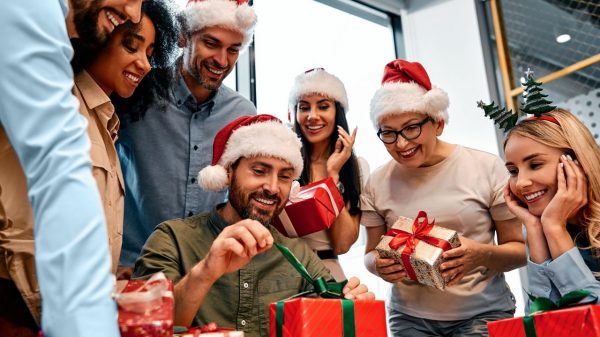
(406, 88)
(320, 82)
(231, 14)
(250, 136)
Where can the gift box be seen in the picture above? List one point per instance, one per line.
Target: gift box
(146, 308)
(418, 245)
(209, 330)
(316, 317)
(582, 321)
(310, 209)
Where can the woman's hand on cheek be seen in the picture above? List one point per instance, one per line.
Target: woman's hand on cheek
(516, 208)
(341, 153)
(570, 197)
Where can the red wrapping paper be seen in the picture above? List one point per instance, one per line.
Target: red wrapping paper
(317, 317)
(582, 321)
(310, 209)
(155, 323)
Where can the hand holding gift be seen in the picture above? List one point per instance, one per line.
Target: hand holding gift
(462, 259)
(418, 245)
(310, 208)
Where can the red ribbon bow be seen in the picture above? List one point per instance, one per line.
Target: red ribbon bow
(420, 230)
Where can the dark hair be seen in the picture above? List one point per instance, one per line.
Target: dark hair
(349, 174)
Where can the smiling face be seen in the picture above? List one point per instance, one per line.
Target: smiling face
(210, 54)
(95, 20)
(259, 187)
(124, 62)
(532, 167)
(315, 115)
(418, 152)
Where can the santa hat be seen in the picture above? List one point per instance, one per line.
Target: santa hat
(406, 88)
(235, 15)
(320, 82)
(250, 136)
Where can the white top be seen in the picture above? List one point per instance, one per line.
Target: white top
(464, 192)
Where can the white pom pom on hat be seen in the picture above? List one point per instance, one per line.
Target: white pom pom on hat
(234, 15)
(250, 136)
(320, 82)
(406, 88)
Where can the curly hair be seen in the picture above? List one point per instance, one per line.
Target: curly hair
(349, 174)
(572, 137)
(158, 81)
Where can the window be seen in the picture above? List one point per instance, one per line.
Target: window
(294, 36)
(355, 45)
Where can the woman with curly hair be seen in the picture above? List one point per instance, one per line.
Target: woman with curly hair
(554, 189)
(119, 68)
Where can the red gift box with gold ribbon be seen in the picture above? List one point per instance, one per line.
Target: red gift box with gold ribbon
(316, 317)
(146, 308)
(310, 208)
(583, 321)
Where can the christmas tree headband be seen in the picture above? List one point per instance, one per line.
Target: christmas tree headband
(535, 104)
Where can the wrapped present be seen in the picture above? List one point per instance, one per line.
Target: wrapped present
(560, 321)
(210, 330)
(146, 308)
(310, 209)
(418, 245)
(331, 315)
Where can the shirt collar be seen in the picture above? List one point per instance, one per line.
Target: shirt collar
(216, 221)
(182, 93)
(96, 99)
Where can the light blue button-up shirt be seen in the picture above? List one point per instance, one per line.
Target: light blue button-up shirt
(162, 154)
(573, 270)
(41, 119)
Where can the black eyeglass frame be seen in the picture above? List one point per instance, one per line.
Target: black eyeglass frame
(401, 132)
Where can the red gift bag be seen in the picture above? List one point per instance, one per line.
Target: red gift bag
(146, 308)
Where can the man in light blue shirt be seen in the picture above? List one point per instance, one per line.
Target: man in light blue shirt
(39, 117)
(162, 153)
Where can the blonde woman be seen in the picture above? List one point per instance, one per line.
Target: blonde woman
(554, 189)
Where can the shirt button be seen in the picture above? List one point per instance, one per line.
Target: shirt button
(195, 116)
(190, 213)
(547, 289)
(551, 274)
(195, 147)
(246, 285)
(178, 102)
(193, 180)
(243, 322)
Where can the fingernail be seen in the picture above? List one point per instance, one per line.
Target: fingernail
(562, 165)
(576, 161)
(569, 157)
(563, 156)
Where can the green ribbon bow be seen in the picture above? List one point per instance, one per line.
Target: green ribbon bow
(322, 289)
(542, 304)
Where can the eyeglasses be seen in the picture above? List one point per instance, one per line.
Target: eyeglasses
(409, 133)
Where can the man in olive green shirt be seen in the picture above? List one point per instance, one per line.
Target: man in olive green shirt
(222, 262)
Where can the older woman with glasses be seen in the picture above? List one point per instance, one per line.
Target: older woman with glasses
(462, 189)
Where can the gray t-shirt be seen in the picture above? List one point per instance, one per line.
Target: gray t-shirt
(464, 192)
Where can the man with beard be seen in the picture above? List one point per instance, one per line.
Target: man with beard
(44, 151)
(222, 261)
(170, 141)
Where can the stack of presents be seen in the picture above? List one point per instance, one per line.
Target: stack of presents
(146, 307)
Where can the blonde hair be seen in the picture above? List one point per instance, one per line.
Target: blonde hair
(573, 137)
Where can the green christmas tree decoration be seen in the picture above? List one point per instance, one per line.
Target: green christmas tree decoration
(505, 119)
(535, 101)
